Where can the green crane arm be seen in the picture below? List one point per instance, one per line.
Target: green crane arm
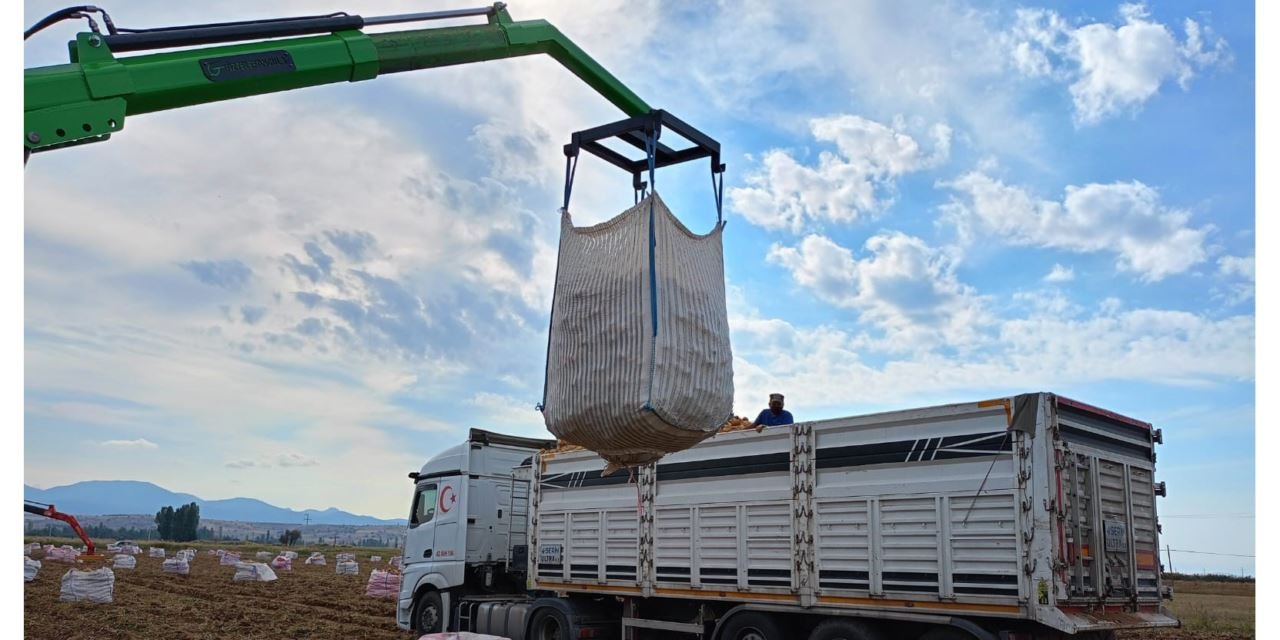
(89, 99)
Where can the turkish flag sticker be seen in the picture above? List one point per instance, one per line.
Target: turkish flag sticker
(447, 498)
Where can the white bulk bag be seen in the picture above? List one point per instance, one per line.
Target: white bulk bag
(383, 584)
(176, 565)
(348, 568)
(396, 561)
(155, 552)
(88, 586)
(375, 558)
(228, 558)
(61, 554)
(282, 562)
(292, 555)
(124, 561)
(345, 556)
(29, 569)
(638, 359)
(253, 572)
(28, 549)
(264, 555)
(316, 558)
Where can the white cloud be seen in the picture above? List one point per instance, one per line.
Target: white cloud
(1036, 33)
(904, 287)
(1123, 218)
(1051, 302)
(448, 262)
(825, 371)
(294, 459)
(841, 187)
(944, 64)
(1111, 70)
(1239, 266)
(508, 414)
(821, 265)
(281, 460)
(1239, 271)
(139, 443)
(1060, 273)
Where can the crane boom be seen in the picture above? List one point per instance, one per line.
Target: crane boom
(89, 99)
(49, 511)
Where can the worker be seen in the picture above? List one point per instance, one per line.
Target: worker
(775, 415)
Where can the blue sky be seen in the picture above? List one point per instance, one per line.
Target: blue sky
(924, 205)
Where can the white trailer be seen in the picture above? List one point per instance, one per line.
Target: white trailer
(1024, 517)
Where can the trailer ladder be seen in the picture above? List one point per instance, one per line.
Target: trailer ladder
(518, 522)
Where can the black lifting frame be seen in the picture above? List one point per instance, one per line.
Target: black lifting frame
(636, 131)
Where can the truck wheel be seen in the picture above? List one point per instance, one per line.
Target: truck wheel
(751, 625)
(427, 612)
(549, 623)
(946, 633)
(845, 629)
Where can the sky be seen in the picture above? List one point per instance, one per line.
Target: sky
(301, 297)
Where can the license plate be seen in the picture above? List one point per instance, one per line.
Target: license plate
(1115, 535)
(549, 554)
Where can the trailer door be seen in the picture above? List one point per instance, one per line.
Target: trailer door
(1109, 534)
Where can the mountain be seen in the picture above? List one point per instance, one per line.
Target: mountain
(105, 497)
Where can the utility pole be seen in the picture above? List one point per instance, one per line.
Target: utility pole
(1169, 551)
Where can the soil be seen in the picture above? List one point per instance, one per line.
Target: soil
(308, 602)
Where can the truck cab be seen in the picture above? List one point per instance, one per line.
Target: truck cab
(467, 527)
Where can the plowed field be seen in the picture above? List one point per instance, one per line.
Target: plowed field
(308, 602)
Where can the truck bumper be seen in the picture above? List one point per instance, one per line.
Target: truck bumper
(1095, 620)
(404, 609)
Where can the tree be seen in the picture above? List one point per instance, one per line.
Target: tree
(186, 524)
(181, 524)
(193, 522)
(290, 537)
(164, 523)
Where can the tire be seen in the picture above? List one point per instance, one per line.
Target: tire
(549, 623)
(428, 612)
(845, 629)
(751, 625)
(946, 633)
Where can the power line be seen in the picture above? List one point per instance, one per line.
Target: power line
(1208, 515)
(1213, 553)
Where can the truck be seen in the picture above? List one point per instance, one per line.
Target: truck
(1025, 517)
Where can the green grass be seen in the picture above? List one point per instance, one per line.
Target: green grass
(1215, 613)
(1209, 610)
